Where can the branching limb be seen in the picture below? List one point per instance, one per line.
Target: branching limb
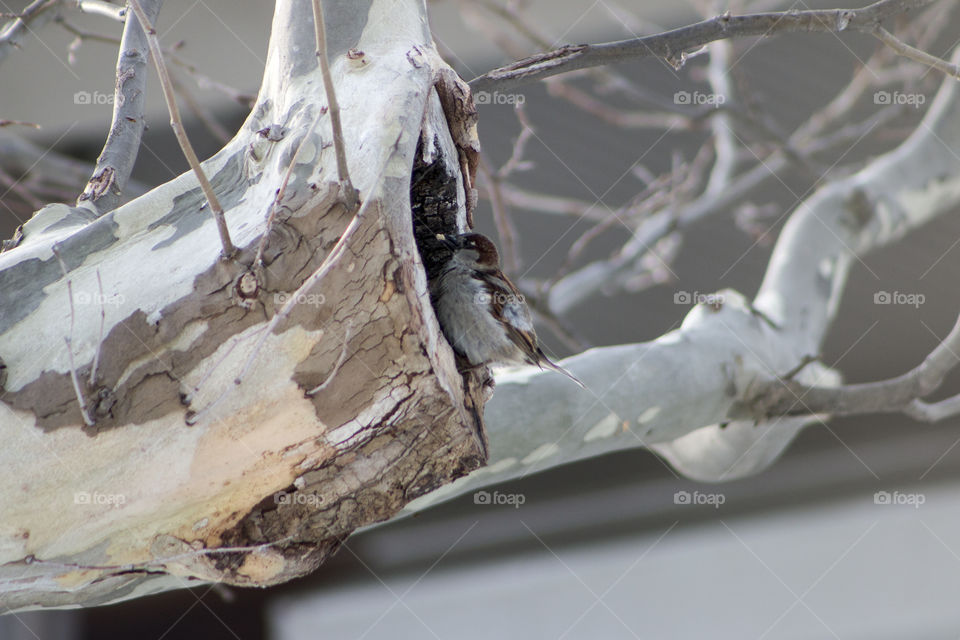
(104, 191)
(673, 45)
(33, 16)
(915, 54)
(897, 395)
(177, 125)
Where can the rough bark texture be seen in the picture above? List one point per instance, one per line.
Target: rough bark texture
(223, 448)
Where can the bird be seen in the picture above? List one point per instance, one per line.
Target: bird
(481, 312)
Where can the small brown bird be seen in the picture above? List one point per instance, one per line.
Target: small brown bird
(482, 314)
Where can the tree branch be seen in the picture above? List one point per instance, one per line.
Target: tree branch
(176, 123)
(105, 189)
(36, 14)
(673, 45)
(334, 107)
(784, 397)
(915, 54)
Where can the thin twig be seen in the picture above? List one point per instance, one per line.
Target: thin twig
(502, 219)
(333, 107)
(339, 363)
(673, 45)
(915, 54)
(278, 198)
(103, 320)
(31, 18)
(177, 125)
(81, 402)
(724, 140)
(200, 112)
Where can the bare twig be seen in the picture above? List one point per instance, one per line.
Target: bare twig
(502, 219)
(339, 145)
(672, 45)
(105, 188)
(915, 54)
(724, 140)
(81, 402)
(103, 320)
(200, 112)
(31, 18)
(278, 198)
(177, 125)
(336, 367)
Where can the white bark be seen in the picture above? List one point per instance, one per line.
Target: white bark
(198, 462)
(184, 471)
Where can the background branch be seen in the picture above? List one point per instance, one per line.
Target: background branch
(672, 45)
(105, 189)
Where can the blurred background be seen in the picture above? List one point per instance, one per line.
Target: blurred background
(854, 533)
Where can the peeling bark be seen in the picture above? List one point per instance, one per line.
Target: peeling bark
(221, 451)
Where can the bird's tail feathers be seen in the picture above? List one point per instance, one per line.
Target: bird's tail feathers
(546, 362)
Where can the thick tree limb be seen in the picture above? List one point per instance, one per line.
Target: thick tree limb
(270, 478)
